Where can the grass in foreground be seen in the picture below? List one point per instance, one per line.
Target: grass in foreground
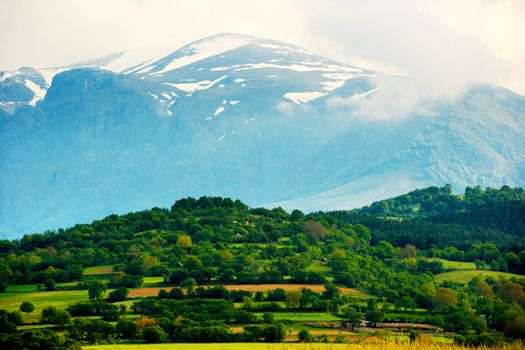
(286, 346)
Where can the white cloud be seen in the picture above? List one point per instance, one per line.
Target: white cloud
(437, 61)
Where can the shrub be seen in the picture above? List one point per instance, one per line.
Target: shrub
(119, 294)
(51, 315)
(27, 307)
(304, 336)
(154, 334)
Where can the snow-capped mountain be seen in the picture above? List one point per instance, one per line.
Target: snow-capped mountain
(27, 86)
(237, 116)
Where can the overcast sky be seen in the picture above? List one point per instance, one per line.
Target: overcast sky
(441, 45)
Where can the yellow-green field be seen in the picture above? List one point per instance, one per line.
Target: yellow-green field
(455, 265)
(303, 316)
(317, 346)
(464, 276)
(99, 270)
(153, 281)
(14, 295)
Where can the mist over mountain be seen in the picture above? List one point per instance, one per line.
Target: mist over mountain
(237, 116)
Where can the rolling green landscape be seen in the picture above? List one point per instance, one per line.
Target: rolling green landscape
(214, 271)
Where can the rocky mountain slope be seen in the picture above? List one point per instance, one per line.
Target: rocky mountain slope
(237, 116)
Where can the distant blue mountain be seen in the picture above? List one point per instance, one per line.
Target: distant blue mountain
(234, 116)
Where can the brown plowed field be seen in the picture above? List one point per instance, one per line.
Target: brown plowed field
(153, 291)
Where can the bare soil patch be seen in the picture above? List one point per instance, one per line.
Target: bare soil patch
(153, 291)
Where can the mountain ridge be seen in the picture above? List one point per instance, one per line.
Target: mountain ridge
(257, 122)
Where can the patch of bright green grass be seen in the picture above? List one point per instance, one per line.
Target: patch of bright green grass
(303, 316)
(11, 299)
(153, 281)
(455, 265)
(99, 270)
(442, 339)
(464, 276)
(319, 267)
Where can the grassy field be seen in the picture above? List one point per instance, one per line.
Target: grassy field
(455, 265)
(464, 276)
(16, 294)
(303, 316)
(153, 281)
(319, 267)
(379, 345)
(99, 270)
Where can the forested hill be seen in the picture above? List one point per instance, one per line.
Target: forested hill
(436, 200)
(436, 217)
(169, 265)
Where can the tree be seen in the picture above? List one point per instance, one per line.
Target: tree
(9, 321)
(51, 315)
(50, 284)
(176, 293)
(494, 266)
(27, 307)
(296, 215)
(154, 334)
(373, 315)
(34, 339)
(479, 264)
(384, 250)
(119, 294)
(277, 294)
(483, 289)
(304, 336)
(406, 302)
(352, 316)
(96, 289)
(268, 318)
(516, 327)
(293, 299)
(408, 251)
(444, 299)
(331, 292)
(111, 315)
(274, 333)
(126, 329)
(5, 275)
(314, 230)
(91, 330)
(189, 284)
(184, 241)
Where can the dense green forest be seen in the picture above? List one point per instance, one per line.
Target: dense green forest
(434, 217)
(379, 264)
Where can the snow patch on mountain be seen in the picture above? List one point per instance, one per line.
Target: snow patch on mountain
(203, 49)
(332, 85)
(201, 85)
(218, 111)
(303, 97)
(39, 93)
